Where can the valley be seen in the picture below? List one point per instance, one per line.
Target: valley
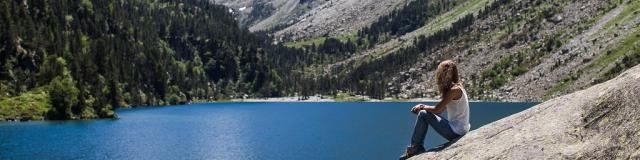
(84, 59)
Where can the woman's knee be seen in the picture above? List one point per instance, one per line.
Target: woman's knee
(428, 116)
(424, 114)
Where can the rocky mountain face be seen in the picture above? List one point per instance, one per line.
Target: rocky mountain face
(337, 17)
(261, 15)
(303, 19)
(600, 122)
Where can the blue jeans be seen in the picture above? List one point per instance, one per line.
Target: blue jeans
(438, 123)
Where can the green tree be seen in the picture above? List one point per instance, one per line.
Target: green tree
(175, 96)
(63, 95)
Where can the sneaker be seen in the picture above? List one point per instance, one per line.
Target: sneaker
(411, 151)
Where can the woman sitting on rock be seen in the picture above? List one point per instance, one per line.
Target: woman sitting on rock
(454, 101)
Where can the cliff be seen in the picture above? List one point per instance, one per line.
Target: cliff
(601, 122)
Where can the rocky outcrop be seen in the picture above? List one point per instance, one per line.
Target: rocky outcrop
(601, 122)
(305, 19)
(262, 15)
(337, 17)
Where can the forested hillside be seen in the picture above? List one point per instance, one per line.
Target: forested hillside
(73, 59)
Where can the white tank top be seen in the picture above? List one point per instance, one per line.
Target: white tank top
(458, 114)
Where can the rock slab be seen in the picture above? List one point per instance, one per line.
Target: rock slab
(601, 122)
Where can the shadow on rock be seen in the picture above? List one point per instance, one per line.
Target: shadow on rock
(443, 146)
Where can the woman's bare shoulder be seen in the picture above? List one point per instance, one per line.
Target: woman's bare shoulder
(456, 92)
(456, 88)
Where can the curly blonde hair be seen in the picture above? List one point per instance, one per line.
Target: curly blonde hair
(446, 76)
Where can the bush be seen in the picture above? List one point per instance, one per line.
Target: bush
(107, 112)
(88, 113)
(519, 70)
(175, 96)
(499, 81)
(32, 105)
(489, 73)
(63, 95)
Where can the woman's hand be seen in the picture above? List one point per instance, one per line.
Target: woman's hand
(419, 107)
(416, 108)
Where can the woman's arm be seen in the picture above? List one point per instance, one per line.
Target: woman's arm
(454, 93)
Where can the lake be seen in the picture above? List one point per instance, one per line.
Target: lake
(338, 130)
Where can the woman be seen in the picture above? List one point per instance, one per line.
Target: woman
(454, 101)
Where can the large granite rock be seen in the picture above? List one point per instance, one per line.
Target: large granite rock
(601, 122)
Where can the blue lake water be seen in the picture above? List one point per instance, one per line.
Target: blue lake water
(235, 131)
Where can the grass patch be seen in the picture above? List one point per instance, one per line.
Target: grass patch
(300, 44)
(618, 50)
(320, 40)
(32, 105)
(624, 55)
(630, 12)
(508, 67)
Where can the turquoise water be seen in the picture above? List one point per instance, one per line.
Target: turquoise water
(234, 131)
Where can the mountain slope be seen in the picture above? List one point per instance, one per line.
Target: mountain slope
(86, 58)
(545, 50)
(600, 122)
(509, 50)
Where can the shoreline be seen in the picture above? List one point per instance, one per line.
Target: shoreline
(363, 99)
(311, 99)
(323, 99)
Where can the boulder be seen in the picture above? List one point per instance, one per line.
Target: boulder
(601, 122)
